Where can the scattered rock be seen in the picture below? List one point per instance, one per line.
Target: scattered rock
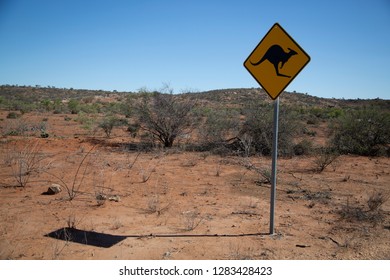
(302, 246)
(101, 197)
(44, 134)
(53, 189)
(115, 198)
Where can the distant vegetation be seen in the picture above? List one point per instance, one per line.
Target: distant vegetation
(226, 121)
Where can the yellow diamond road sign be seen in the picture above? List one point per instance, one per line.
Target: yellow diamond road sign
(276, 61)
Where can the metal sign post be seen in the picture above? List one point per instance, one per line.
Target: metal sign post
(274, 63)
(274, 166)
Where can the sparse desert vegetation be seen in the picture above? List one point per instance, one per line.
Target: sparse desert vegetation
(151, 175)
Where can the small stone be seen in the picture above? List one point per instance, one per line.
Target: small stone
(115, 198)
(54, 189)
(101, 196)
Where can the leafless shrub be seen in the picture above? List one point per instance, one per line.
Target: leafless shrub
(190, 162)
(218, 170)
(117, 225)
(72, 222)
(23, 127)
(146, 172)
(238, 252)
(376, 200)
(358, 213)
(323, 159)
(73, 188)
(15, 127)
(58, 246)
(25, 161)
(246, 141)
(265, 174)
(145, 175)
(155, 206)
(191, 220)
(131, 164)
(100, 185)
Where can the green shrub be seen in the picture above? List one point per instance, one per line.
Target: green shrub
(46, 105)
(74, 106)
(304, 147)
(92, 108)
(259, 125)
(13, 115)
(219, 126)
(24, 106)
(363, 132)
(87, 122)
(335, 113)
(58, 106)
(125, 109)
(133, 129)
(108, 123)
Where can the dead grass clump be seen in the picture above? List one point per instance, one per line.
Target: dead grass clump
(155, 206)
(191, 220)
(190, 162)
(72, 221)
(374, 215)
(240, 252)
(264, 173)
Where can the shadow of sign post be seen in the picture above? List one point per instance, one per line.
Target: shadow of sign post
(86, 237)
(104, 240)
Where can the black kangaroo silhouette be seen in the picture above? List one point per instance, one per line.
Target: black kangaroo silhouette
(275, 54)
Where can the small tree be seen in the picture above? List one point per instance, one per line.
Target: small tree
(164, 116)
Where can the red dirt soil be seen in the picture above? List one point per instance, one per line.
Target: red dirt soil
(187, 205)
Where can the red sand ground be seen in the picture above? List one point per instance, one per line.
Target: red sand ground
(188, 197)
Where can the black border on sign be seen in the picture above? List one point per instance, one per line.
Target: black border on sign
(273, 26)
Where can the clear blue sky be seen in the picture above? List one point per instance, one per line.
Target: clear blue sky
(195, 44)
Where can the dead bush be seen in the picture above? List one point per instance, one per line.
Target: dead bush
(191, 220)
(25, 161)
(358, 213)
(78, 178)
(155, 206)
(376, 200)
(323, 159)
